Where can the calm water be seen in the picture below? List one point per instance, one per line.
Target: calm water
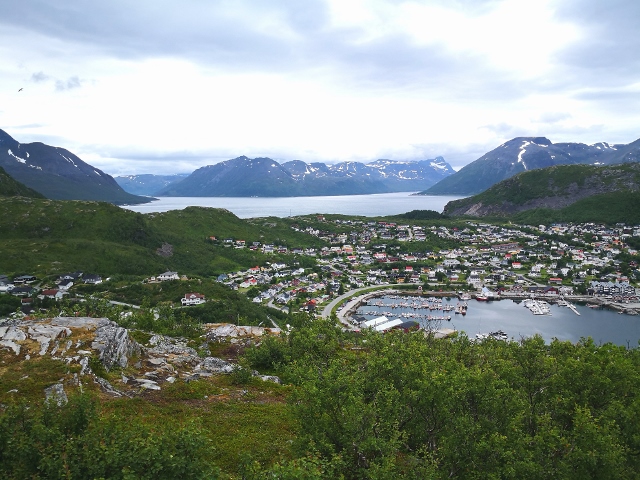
(517, 321)
(251, 207)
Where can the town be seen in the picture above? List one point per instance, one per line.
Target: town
(588, 260)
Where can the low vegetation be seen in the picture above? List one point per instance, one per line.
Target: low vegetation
(355, 406)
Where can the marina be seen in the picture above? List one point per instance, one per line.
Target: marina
(504, 319)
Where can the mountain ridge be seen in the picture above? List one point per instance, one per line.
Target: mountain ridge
(265, 177)
(522, 154)
(59, 174)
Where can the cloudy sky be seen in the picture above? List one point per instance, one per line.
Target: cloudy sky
(152, 86)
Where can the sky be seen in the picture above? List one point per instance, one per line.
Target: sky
(152, 86)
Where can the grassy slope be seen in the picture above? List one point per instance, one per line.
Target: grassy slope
(620, 206)
(9, 187)
(46, 237)
(607, 208)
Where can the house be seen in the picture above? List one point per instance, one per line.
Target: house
(65, 285)
(192, 299)
(21, 291)
(168, 276)
(92, 279)
(69, 276)
(52, 293)
(22, 279)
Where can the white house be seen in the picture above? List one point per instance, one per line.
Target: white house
(168, 276)
(192, 299)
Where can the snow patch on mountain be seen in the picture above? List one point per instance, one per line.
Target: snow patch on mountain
(523, 148)
(19, 159)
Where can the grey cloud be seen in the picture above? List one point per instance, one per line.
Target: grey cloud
(39, 77)
(69, 84)
(608, 53)
(232, 36)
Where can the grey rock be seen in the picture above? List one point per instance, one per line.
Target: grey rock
(84, 364)
(148, 384)
(55, 393)
(80, 322)
(114, 345)
(270, 378)
(12, 345)
(216, 365)
(106, 387)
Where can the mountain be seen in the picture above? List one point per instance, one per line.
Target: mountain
(568, 188)
(58, 174)
(264, 177)
(147, 184)
(528, 153)
(12, 188)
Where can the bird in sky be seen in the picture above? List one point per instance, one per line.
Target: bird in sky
(20, 89)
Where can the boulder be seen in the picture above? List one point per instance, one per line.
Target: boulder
(114, 345)
(55, 393)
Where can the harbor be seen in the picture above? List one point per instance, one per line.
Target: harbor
(559, 318)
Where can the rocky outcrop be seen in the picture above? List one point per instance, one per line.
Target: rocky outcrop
(114, 345)
(80, 340)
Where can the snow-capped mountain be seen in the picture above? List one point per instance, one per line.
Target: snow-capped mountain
(529, 153)
(58, 174)
(244, 176)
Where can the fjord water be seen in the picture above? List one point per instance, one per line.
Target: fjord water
(375, 205)
(603, 326)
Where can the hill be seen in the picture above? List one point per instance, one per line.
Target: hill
(567, 189)
(523, 154)
(264, 177)
(11, 188)
(47, 237)
(58, 174)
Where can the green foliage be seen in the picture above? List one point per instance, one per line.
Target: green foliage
(617, 200)
(401, 406)
(97, 367)
(420, 215)
(72, 441)
(101, 238)
(8, 304)
(608, 208)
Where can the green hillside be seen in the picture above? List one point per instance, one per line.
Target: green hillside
(608, 208)
(47, 237)
(560, 193)
(9, 187)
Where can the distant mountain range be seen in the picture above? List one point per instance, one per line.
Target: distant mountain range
(607, 194)
(529, 153)
(147, 184)
(58, 174)
(264, 177)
